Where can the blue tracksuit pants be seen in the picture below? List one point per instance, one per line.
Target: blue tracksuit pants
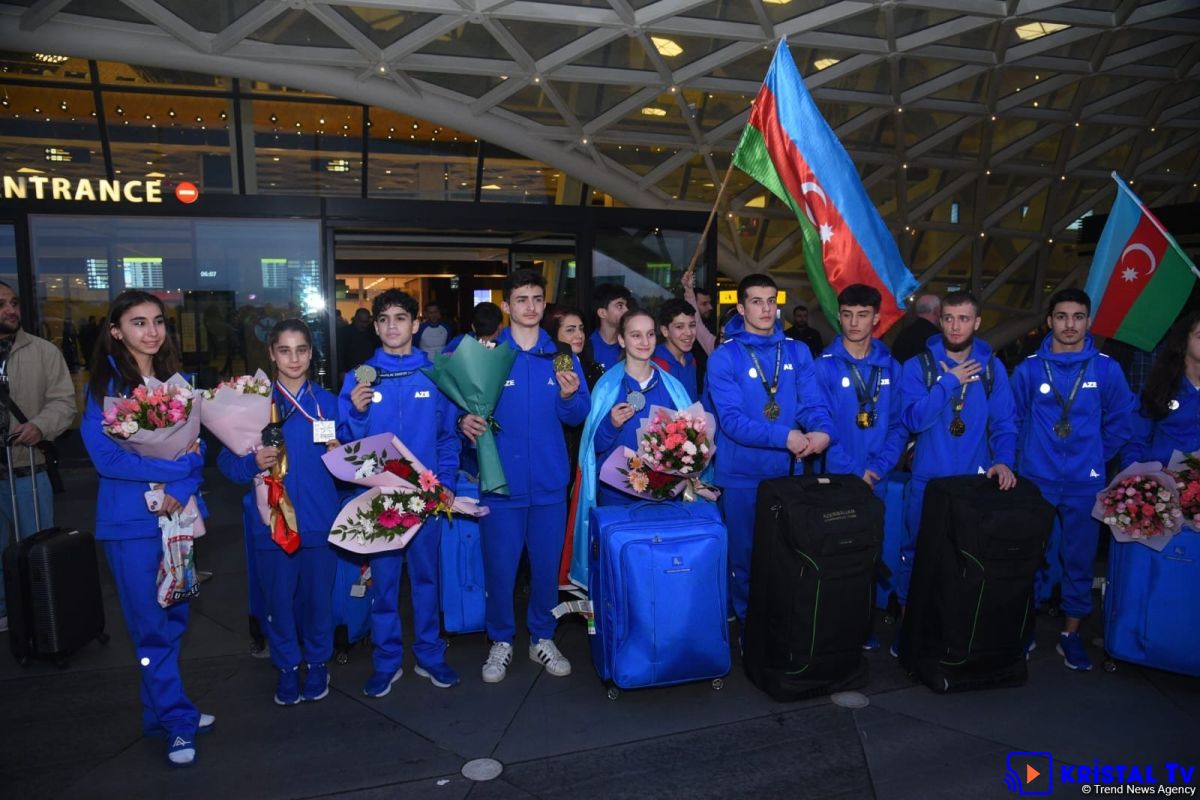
(256, 600)
(387, 631)
(737, 507)
(156, 633)
(1071, 553)
(506, 531)
(299, 593)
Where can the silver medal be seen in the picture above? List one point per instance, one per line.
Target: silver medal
(365, 373)
(636, 400)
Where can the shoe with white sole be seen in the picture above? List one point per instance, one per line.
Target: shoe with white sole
(496, 666)
(380, 683)
(181, 752)
(546, 653)
(439, 674)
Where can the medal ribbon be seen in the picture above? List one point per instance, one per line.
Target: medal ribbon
(637, 387)
(772, 387)
(296, 403)
(867, 399)
(1065, 405)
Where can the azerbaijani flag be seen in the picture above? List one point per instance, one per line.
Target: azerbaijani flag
(790, 149)
(1140, 278)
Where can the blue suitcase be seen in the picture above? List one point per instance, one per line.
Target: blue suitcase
(895, 491)
(657, 579)
(1152, 604)
(351, 605)
(461, 568)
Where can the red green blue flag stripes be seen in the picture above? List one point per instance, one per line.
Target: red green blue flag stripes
(790, 149)
(1140, 278)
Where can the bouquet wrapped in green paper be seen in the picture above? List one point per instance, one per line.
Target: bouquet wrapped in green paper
(473, 377)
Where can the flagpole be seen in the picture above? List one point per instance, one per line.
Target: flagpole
(691, 267)
(1154, 221)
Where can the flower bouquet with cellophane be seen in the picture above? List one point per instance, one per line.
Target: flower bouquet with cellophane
(1185, 468)
(402, 495)
(159, 419)
(1141, 505)
(674, 449)
(237, 410)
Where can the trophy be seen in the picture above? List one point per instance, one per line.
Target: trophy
(272, 436)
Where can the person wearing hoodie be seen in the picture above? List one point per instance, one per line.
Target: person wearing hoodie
(770, 413)
(400, 399)
(1168, 417)
(297, 586)
(540, 389)
(862, 387)
(956, 401)
(677, 336)
(134, 345)
(1074, 412)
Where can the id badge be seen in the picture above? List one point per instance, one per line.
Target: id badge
(324, 430)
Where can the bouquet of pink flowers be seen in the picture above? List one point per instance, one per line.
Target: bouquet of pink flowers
(237, 410)
(1141, 505)
(1185, 468)
(157, 420)
(674, 448)
(403, 495)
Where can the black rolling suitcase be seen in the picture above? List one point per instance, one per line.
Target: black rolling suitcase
(52, 587)
(817, 543)
(970, 605)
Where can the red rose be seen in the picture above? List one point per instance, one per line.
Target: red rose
(399, 468)
(660, 480)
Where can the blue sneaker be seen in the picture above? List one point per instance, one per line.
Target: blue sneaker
(316, 683)
(181, 752)
(872, 643)
(287, 688)
(380, 683)
(439, 674)
(1074, 654)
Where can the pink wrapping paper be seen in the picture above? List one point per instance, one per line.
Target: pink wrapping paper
(237, 419)
(1152, 469)
(695, 410)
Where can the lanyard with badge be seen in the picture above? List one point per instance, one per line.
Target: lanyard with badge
(324, 430)
(1063, 426)
(868, 399)
(771, 409)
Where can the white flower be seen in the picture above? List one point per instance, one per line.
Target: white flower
(415, 504)
(704, 449)
(366, 469)
(388, 502)
(689, 448)
(130, 427)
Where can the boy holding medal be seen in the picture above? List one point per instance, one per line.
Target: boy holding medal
(770, 412)
(861, 381)
(390, 394)
(1074, 411)
(956, 401)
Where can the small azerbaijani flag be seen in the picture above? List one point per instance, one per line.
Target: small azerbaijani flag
(1140, 278)
(790, 149)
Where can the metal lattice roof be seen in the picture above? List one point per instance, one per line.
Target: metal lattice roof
(983, 129)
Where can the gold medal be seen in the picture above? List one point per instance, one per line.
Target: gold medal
(1062, 428)
(771, 410)
(365, 373)
(563, 363)
(865, 419)
(957, 427)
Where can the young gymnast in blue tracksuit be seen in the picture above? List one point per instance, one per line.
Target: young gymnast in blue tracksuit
(956, 401)
(861, 381)
(135, 345)
(1074, 412)
(404, 401)
(1168, 417)
(610, 301)
(677, 337)
(297, 586)
(770, 412)
(533, 452)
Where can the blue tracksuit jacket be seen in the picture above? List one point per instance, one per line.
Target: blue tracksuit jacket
(603, 353)
(877, 448)
(685, 373)
(1157, 439)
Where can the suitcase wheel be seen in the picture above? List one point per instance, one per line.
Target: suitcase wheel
(1110, 666)
(718, 684)
(613, 692)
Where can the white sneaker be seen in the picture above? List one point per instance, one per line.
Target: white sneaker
(547, 654)
(496, 666)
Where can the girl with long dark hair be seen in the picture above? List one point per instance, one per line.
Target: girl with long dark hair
(133, 345)
(1169, 417)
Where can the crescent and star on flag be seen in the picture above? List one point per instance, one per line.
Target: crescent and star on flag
(810, 188)
(1129, 274)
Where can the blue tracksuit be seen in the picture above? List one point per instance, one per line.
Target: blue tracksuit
(133, 546)
(603, 353)
(989, 438)
(684, 372)
(751, 448)
(610, 438)
(533, 452)
(298, 588)
(1069, 470)
(1157, 439)
(417, 412)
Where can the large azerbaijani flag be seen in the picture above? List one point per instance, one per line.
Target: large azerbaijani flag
(1140, 278)
(790, 149)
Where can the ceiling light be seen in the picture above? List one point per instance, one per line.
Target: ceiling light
(49, 58)
(155, 175)
(825, 63)
(651, 111)
(30, 171)
(1036, 30)
(491, 187)
(776, 2)
(666, 47)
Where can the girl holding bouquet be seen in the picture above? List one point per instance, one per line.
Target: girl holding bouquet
(1169, 417)
(297, 581)
(134, 345)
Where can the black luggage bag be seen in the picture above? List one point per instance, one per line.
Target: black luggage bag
(970, 604)
(817, 543)
(52, 588)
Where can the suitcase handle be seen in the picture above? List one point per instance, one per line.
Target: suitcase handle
(648, 509)
(12, 488)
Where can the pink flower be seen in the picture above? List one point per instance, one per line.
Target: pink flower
(390, 519)
(409, 520)
(428, 481)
